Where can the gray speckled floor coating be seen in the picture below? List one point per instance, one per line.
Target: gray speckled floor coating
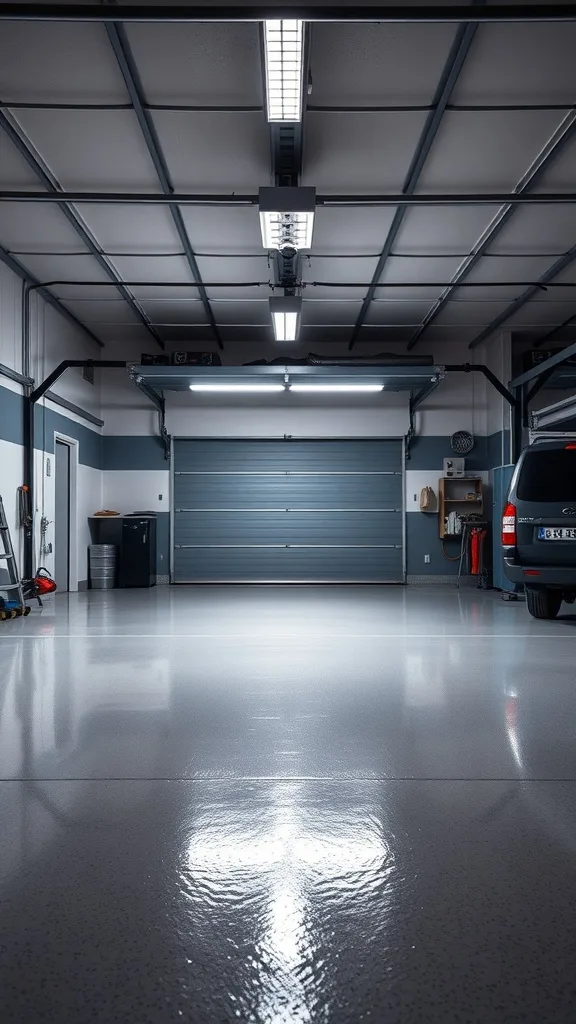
(288, 806)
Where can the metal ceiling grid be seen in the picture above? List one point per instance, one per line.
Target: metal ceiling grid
(130, 74)
(395, 64)
(17, 135)
(454, 62)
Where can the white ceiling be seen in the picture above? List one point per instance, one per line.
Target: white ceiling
(343, 151)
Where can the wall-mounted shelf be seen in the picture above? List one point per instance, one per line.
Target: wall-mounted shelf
(461, 494)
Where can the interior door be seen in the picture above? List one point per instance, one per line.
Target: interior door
(62, 516)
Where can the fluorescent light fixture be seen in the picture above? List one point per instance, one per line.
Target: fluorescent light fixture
(287, 216)
(337, 387)
(285, 312)
(284, 59)
(238, 388)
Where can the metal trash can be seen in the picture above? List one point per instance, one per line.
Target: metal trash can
(103, 561)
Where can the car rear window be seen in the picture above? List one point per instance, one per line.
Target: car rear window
(548, 476)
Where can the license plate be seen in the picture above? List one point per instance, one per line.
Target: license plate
(557, 533)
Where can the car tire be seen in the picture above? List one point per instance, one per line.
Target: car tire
(543, 603)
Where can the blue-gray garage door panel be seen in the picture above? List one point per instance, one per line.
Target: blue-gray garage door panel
(206, 528)
(287, 565)
(258, 510)
(297, 491)
(230, 456)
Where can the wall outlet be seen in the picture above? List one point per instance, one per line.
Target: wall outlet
(159, 497)
(427, 559)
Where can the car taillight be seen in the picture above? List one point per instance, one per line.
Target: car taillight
(509, 525)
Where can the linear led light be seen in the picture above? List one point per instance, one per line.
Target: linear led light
(236, 388)
(285, 312)
(337, 387)
(287, 216)
(284, 59)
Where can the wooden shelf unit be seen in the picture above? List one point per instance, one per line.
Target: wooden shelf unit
(452, 497)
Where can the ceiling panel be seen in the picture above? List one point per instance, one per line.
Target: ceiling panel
(30, 226)
(146, 229)
(471, 313)
(415, 270)
(99, 149)
(442, 230)
(230, 230)
(340, 312)
(153, 269)
(58, 62)
(355, 230)
(65, 268)
(561, 175)
(543, 313)
(488, 151)
(105, 310)
(519, 63)
(336, 270)
(493, 270)
(213, 64)
(208, 152)
(14, 171)
(406, 312)
(377, 64)
(538, 229)
(175, 311)
(359, 152)
(567, 276)
(133, 333)
(249, 312)
(235, 268)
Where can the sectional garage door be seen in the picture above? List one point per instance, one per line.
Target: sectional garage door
(288, 511)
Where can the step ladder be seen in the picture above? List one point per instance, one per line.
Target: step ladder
(7, 557)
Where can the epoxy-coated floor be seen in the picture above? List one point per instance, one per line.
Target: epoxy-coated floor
(288, 806)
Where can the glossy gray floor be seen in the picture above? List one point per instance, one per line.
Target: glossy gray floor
(288, 806)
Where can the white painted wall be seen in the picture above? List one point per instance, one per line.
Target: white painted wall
(136, 490)
(379, 415)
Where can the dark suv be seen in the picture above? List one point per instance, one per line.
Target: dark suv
(539, 526)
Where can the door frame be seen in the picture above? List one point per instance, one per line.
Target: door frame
(72, 445)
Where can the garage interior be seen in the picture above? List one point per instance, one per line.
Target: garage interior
(289, 749)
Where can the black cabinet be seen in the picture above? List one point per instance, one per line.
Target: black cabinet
(135, 538)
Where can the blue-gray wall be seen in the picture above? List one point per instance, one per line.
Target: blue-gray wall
(46, 422)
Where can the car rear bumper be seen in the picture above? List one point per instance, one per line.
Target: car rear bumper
(548, 576)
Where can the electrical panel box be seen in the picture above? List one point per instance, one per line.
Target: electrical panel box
(454, 467)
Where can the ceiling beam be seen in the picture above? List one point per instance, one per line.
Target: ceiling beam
(21, 271)
(564, 134)
(394, 14)
(552, 272)
(129, 70)
(450, 73)
(330, 200)
(26, 149)
(388, 108)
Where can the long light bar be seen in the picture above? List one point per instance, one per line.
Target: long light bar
(285, 312)
(336, 387)
(284, 58)
(237, 388)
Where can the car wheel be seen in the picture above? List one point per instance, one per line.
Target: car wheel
(543, 603)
